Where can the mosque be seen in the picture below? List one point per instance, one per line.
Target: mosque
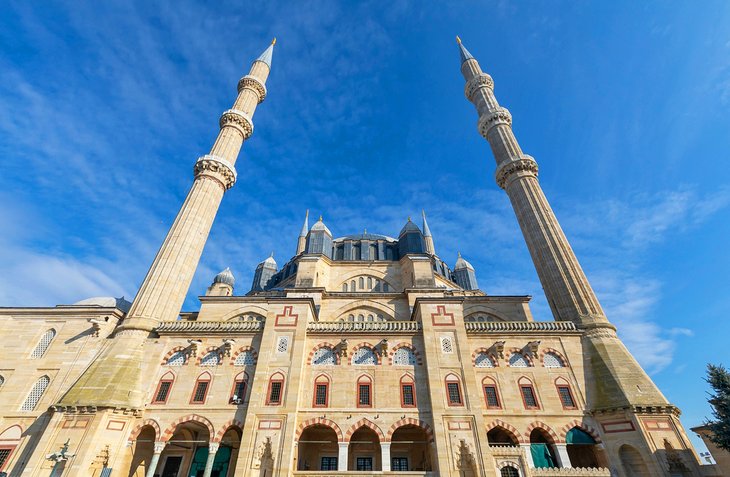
(362, 355)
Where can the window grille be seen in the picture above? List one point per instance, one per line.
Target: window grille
(404, 357)
(245, 358)
(239, 390)
(210, 359)
(163, 391)
(2, 380)
(35, 394)
(275, 393)
(177, 359)
(324, 357)
(43, 344)
(364, 357)
(407, 392)
(320, 397)
(454, 393)
(283, 344)
(4, 454)
(446, 345)
(399, 463)
(363, 394)
(483, 360)
(201, 389)
(364, 463)
(329, 463)
(565, 396)
(528, 394)
(509, 471)
(517, 360)
(491, 394)
(551, 360)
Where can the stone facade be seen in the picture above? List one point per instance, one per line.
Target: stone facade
(363, 355)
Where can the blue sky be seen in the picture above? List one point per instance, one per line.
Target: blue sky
(625, 106)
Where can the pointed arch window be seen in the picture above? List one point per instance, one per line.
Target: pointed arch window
(200, 391)
(518, 360)
(321, 391)
(407, 391)
(364, 357)
(42, 346)
(162, 393)
(240, 385)
(275, 392)
(364, 391)
(404, 357)
(529, 396)
(491, 393)
(483, 360)
(211, 359)
(36, 393)
(565, 393)
(453, 390)
(552, 360)
(245, 358)
(176, 359)
(324, 356)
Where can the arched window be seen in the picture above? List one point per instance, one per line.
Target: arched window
(43, 344)
(276, 390)
(177, 359)
(350, 317)
(407, 391)
(245, 358)
(321, 391)
(360, 317)
(371, 317)
(35, 394)
(364, 357)
(509, 471)
(352, 286)
(404, 357)
(518, 360)
(238, 393)
(491, 394)
(324, 357)
(364, 391)
(453, 390)
(552, 360)
(565, 394)
(483, 360)
(163, 388)
(200, 391)
(344, 287)
(529, 397)
(361, 282)
(211, 359)
(370, 283)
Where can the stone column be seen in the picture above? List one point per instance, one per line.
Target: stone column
(563, 455)
(528, 455)
(152, 467)
(212, 450)
(385, 455)
(342, 456)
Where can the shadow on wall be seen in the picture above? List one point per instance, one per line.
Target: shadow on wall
(35, 432)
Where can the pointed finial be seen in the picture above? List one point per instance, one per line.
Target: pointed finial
(320, 218)
(463, 52)
(272, 254)
(458, 40)
(366, 231)
(459, 254)
(273, 42)
(267, 54)
(409, 218)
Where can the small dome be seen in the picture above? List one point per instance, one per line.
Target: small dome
(461, 263)
(320, 226)
(365, 236)
(106, 302)
(225, 277)
(409, 227)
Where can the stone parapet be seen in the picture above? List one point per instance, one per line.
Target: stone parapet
(363, 326)
(573, 472)
(169, 327)
(520, 327)
(359, 474)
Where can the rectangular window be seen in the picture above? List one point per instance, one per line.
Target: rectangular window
(320, 395)
(528, 396)
(454, 394)
(163, 391)
(239, 391)
(566, 397)
(408, 398)
(363, 395)
(399, 463)
(490, 393)
(364, 463)
(4, 455)
(201, 389)
(329, 463)
(275, 393)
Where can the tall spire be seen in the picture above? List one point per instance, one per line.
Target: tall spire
(302, 240)
(305, 227)
(268, 53)
(428, 239)
(465, 55)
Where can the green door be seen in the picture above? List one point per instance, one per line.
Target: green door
(197, 468)
(220, 464)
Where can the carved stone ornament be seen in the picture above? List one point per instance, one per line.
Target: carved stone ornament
(530, 349)
(239, 120)
(494, 118)
(600, 333)
(497, 349)
(477, 83)
(251, 82)
(382, 347)
(506, 169)
(464, 457)
(341, 348)
(216, 168)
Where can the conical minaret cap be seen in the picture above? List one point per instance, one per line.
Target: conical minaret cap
(305, 227)
(226, 276)
(267, 54)
(426, 230)
(465, 55)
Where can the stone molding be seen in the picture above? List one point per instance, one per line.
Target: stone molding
(600, 333)
(524, 164)
(519, 326)
(363, 326)
(238, 120)
(476, 83)
(494, 118)
(252, 82)
(169, 327)
(571, 471)
(217, 168)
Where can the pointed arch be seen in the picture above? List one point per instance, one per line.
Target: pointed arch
(365, 344)
(480, 354)
(548, 430)
(14, 432)
(517, 359)
(225, 427)
(364, 423)
(147, 422)
(43, 344)
(244, 349)
(170, 430)
(396, 348)
(319, 421)
(321, 345)
(500, 423)
(172, 352)
(583, 427)
(560, 356)
(409, 421)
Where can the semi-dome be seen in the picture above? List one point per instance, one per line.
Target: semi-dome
(106, 302)
(225, 277)
(461, 263)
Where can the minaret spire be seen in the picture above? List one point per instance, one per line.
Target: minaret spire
(302, 241)
(568, 292)
(430, 249)
(112, 380)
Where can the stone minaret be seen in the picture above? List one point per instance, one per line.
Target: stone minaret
(427, 237)
(111, 380)
(617, 379)
(302, 241)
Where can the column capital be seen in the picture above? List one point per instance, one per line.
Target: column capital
(159, 446)
(213, 447)
(218, 168)
(237, 120)
(524, 164)
(254, 84)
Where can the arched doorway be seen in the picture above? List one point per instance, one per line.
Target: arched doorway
(410, 449)
(363, 453)
(224, 464)
(582, 449)
(631, 461)
(144, 447)
(499, 436)
(186, 452)
(542, 448)
(318, 448)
